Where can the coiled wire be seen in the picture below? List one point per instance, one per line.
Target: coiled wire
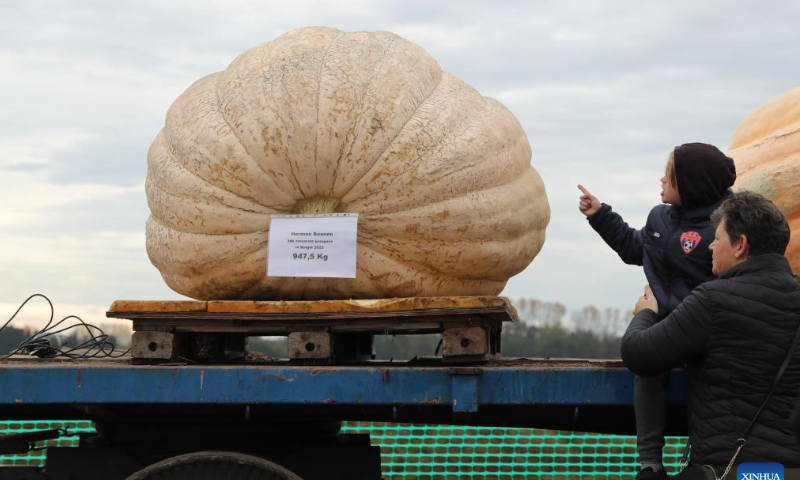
(45, 342)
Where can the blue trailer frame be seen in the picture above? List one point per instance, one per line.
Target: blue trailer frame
(150, 413)
(465, 389)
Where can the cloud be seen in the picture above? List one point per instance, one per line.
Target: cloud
(603, 90)
(31, 150)
(79, 268)
(28, 197)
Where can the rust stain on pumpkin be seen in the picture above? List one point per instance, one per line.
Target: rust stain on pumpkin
(412, 228)
(441, 216)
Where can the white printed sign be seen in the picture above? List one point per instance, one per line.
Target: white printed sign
(313, 245)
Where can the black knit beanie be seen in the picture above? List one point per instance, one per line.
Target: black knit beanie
(704, 174)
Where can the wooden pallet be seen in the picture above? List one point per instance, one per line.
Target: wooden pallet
(324, 331)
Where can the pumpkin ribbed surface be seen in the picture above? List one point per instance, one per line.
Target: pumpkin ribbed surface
(766, 149)
(322, 121)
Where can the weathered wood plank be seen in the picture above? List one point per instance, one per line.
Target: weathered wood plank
(316, 306)
(466, 322)
(424, 303)
(413, 316)
(305, 345)
(154, 345)
(157, 306)
(332, 310)
(348, 306)
(312, 306)
(464, 341)
(272, 327)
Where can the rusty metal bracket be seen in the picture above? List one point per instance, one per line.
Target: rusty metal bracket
(465, 389)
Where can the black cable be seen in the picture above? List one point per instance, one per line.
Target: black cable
(52, 310)
(96, 346)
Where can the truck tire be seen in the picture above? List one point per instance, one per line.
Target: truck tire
(214, 466)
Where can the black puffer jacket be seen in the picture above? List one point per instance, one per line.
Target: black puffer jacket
(733, 333)
(672, 247)
(796, 419)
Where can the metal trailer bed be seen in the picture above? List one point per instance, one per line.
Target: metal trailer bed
(290, 413)
(190, 387)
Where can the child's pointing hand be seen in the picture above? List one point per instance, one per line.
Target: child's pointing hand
(588, 203)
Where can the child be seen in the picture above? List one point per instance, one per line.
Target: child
(673, 248)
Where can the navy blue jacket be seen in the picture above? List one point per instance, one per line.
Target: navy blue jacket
(672, 247)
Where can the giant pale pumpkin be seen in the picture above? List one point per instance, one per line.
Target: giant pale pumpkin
(319, 121)
(766, 149)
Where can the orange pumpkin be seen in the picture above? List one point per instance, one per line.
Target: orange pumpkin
(766, 149)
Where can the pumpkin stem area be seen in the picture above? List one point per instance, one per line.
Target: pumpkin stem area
(317, 205)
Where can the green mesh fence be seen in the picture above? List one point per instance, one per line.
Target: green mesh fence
(441, 452)
(36, 457)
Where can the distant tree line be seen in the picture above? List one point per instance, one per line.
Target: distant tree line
(10, 337)
(543, 330)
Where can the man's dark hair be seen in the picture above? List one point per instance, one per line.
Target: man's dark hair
(757, 218)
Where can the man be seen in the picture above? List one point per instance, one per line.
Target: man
(733, 334)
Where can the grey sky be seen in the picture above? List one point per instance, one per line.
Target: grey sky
(603, 89)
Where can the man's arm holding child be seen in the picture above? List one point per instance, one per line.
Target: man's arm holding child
(650, 347)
